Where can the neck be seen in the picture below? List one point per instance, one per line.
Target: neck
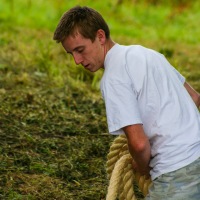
(108, 45)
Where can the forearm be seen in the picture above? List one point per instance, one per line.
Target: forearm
(139, 147)
(197, 101)
(142, 159)
(194, 94)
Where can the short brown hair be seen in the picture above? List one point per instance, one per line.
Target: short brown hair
(85, 20)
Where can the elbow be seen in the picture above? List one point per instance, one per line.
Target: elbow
(139, 147)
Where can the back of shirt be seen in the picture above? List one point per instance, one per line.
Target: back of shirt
(140, 86)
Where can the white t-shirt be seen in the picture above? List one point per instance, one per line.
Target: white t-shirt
(139, 86)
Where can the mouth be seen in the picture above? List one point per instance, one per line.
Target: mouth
(87, 66)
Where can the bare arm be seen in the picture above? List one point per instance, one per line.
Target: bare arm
(194, 94)
(139, 147)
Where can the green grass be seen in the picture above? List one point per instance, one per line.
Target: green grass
(53, 131)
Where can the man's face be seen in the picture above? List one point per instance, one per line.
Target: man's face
(85, 52)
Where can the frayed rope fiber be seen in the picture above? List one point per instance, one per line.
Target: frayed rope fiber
(121, 174)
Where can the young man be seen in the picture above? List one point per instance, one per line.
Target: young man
(146, 99)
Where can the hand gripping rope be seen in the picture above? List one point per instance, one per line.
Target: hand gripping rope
(121, 174)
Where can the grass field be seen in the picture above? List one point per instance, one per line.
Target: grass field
(53, 131)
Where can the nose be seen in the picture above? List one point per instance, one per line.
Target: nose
(78, 59)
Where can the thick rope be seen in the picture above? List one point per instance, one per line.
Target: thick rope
(121, 174)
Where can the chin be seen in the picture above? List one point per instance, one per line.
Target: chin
(96, 69)
(93, 70)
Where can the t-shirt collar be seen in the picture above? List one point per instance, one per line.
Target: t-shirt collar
(110, 53)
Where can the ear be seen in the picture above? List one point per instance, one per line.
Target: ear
(101, 36)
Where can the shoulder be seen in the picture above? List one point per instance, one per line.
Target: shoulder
(141, 52)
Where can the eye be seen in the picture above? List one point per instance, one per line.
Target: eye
(80, 50)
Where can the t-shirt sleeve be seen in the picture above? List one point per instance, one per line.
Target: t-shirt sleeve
(180, 76)
(121, 107)
(177, 73)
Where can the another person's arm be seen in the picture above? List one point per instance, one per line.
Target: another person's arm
(139, 148)
(194, 94)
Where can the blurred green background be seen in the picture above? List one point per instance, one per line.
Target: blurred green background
(53, 131)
